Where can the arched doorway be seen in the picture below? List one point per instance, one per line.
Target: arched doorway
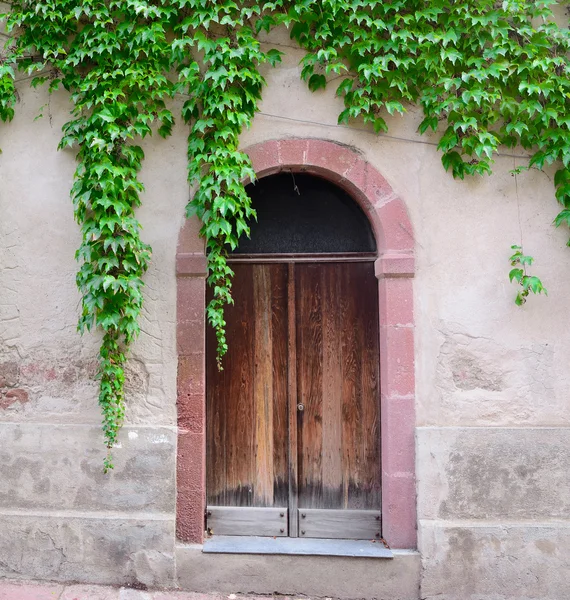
(347, 168)
(293, 420)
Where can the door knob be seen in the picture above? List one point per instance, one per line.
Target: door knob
(300, 407)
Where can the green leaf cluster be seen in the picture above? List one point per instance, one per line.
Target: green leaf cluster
(7, 91)
(113, 58)
(223, 91)
(528, 283)
(488, 75)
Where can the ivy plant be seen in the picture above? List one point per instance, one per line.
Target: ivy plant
(528, 283)
(488, 75)
(112, 57)
(7, 90)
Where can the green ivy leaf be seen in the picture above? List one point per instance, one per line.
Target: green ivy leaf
(317, 81)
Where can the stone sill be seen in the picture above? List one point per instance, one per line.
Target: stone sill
(227, 544)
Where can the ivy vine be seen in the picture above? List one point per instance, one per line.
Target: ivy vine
(529, 283)
(487, 74)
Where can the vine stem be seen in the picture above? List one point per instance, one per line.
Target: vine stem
(515, 175)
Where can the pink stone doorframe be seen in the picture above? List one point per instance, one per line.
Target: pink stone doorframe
(387, 213)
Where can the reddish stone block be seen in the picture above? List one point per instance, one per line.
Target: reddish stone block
(191, 374)
(192, 412)
(12, 396)
(30, 591)
(357, 176)
(193, 264)
(396, 226)
(335, 178)
(356, 184)
(397, 361)
(191, 336)
(189, 240)
(377, 189)
(333, 157)
(370, 183)
(191, 298)
(264, 156)
(398, 441)
(399, 527)
(392, 265)
(293, 153)
(396, 299)
(191, 485)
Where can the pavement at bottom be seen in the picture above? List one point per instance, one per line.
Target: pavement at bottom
(21, 590)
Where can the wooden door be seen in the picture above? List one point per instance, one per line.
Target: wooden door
(339, 473)
(293, 436)
(246, 412)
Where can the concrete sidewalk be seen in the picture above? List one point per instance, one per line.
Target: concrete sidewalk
(20, 590)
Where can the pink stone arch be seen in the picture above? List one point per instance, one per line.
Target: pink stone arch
(345, 167)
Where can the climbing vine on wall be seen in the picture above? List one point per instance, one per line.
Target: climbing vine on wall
(528, 283)
(487, 74)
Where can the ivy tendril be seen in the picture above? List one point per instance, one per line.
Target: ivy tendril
(528, 283)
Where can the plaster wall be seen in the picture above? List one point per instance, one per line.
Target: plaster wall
(492, 380)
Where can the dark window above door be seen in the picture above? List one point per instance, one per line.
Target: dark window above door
(304, 214)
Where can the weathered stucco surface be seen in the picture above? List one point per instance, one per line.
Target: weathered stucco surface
(313, 576)
(492, 380)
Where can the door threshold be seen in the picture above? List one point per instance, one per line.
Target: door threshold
(233, 544)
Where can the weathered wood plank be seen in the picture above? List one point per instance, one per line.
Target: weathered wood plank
(247, 401)
(364, 486)
(280, 325)
(350, 386)
(309, 382)
(338, 370)
(370, 384)
(293, 499)
(331, 468)
(340, 524)
(263, 385)
(238, 397)
(230, 467)
(233, 520)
